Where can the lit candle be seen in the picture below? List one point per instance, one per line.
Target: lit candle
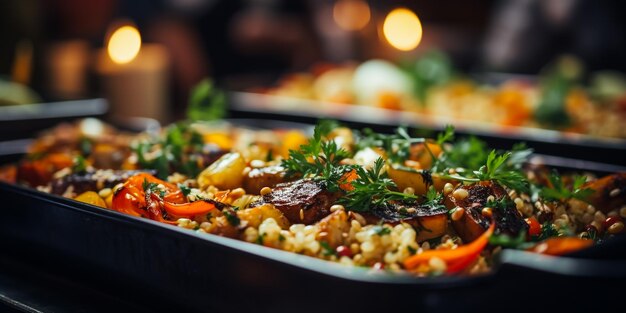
(403, 29)
(133, 76)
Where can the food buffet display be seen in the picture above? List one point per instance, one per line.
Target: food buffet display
(559, 98)
(392, 202)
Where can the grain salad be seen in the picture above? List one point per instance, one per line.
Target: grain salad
(392, 202)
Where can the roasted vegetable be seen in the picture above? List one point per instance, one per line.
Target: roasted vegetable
(609, 192)
(478, 210)
(456, 259)
(268, 176)
(91, 197)
(225, 173)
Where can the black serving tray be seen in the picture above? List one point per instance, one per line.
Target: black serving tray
(159, 267)
(170, 267)
(25, 120)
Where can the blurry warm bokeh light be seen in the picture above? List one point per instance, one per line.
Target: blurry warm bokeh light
(402, 29)
(124, 44)
(351, 14)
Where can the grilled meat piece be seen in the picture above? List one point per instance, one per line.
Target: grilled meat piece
(429, 223)
(94, 180)
(472, 224)
(302, 201)
(258, 178)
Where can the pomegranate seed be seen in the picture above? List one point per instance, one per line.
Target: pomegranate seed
(344, 251)
(611, 220)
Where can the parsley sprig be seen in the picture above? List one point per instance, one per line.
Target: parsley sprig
(181, 150)
(495, 169)
(397, 146)
(373, 188)
(560, 192)
(319, 159)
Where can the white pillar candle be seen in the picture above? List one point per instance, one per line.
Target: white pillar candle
(136, 86)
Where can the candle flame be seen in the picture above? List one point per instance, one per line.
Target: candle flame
(124, 44)
(402, 29)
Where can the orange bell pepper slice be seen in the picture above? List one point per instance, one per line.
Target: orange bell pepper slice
(561, 245)
(129, 200)
(345, 183)
(455, 259)
(189, 209)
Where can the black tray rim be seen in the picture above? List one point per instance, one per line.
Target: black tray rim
(563, 266)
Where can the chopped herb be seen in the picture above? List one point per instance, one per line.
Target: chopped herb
(434, 200)
(148, 186)
(152, 188)
(184, 189)
(80, 164)
(506, 241)
(373, 188)
(259, 239)
(560, 192)
(281, 237)
(411, 250)
(547, 231)
(501, 204)
(381, 230)
(326, 249)
(232, 218)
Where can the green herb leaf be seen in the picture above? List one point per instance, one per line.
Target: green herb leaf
(79, 164)
(446, 136)
(547, 231)
(434, 200)
(319, 159)
(184, 189)
(496, 171)
(232, 218)
(206, 102)
(373, 188)
(507, 241)
(381, 230)
(326, 249)
(560, 192)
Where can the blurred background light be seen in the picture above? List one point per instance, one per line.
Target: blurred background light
(351, 15)
(402, 29)
(124, 44)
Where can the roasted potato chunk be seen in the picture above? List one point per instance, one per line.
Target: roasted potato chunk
(225, 173)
